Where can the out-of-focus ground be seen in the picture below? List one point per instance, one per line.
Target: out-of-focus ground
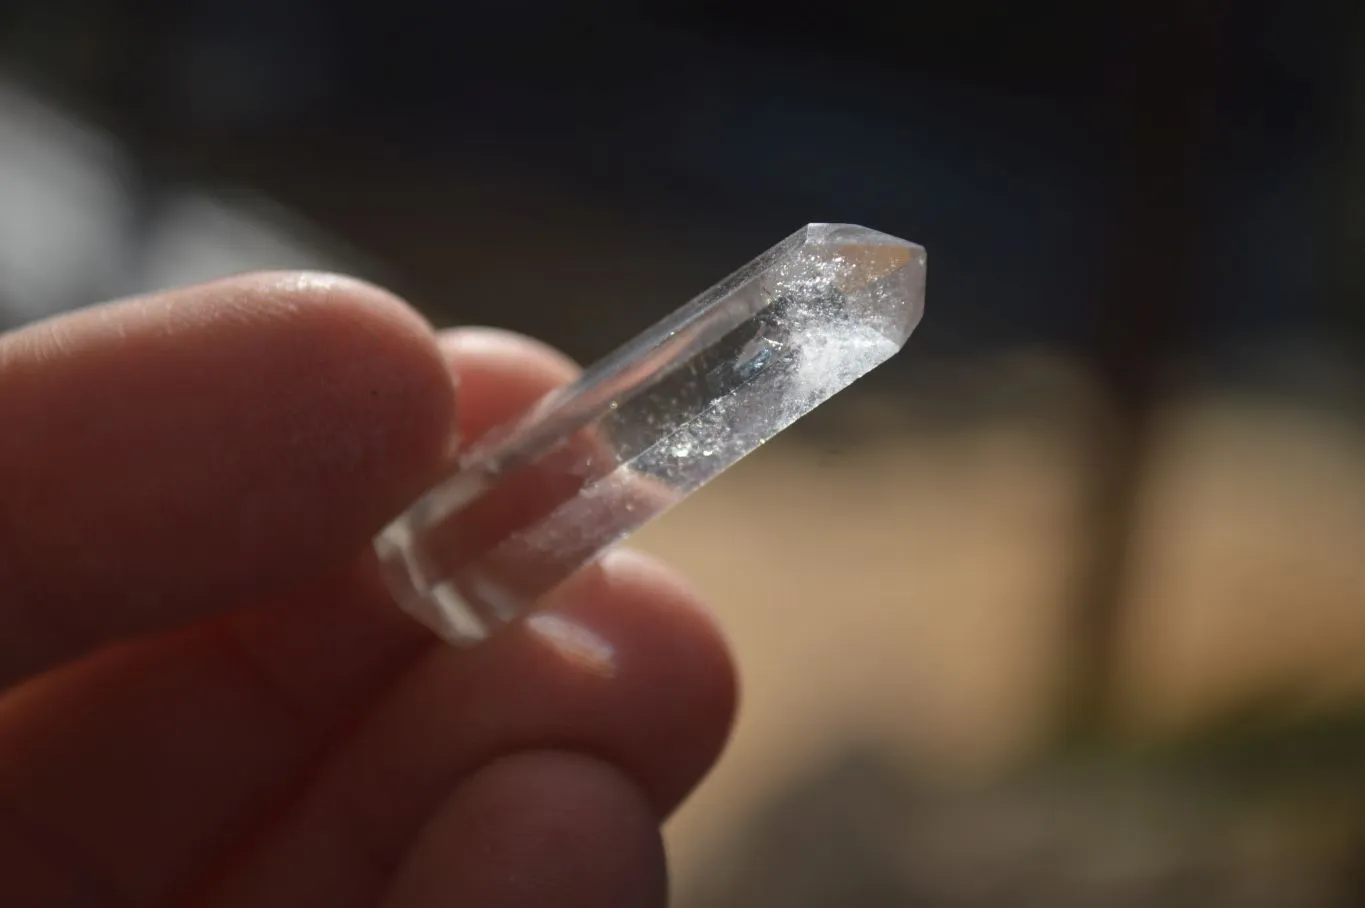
(915, 600)
(932, 714)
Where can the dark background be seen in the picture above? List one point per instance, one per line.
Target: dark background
(1183, 163)
(1161, 202)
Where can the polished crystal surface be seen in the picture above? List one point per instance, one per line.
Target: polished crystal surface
(589, 464)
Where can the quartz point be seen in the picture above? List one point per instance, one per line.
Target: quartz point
(532, 502)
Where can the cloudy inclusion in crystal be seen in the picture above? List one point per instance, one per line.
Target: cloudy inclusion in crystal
(591, 463)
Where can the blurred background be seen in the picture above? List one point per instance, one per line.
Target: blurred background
(1065, 606)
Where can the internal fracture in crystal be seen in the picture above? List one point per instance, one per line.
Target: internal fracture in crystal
(530, 503)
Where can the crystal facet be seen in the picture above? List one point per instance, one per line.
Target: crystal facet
(589, 464)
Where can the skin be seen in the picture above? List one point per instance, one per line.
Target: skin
(205, 696)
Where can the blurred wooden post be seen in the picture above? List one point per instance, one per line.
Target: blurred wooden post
(1164, 73)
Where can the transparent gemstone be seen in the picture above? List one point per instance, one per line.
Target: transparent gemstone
(532, 502)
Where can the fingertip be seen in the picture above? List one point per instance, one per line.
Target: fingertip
(665, 643)
(500, 374)
(631, 568)
(683, 612)
(538, 828)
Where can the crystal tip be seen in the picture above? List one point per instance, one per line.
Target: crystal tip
(880, 274)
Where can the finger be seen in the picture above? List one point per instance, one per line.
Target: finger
(500, 374)
(318, 649)
(202, 731)
(623, 664)
(167, 457)
(537, 829)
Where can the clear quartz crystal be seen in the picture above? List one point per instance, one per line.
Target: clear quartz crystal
(532, 502)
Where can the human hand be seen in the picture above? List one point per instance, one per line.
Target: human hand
(205, 696)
